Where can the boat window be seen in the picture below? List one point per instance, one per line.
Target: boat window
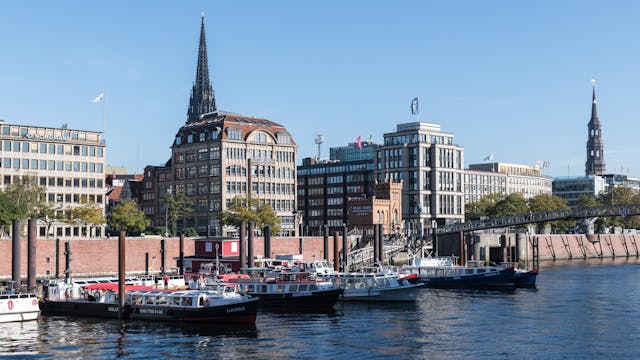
(250, 288)
(137, 299)
(468, 271)
(293, 288)
(481, 270)
(303, 287)
(313, 287)
(263, 288)
(201, 301)
(187, 301)
(150, 300)
(162, 300)
(280, 288)
(175, 301)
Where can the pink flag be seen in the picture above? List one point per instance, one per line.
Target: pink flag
(359, 142)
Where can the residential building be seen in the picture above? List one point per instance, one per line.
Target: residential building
(216, 156)
(430, 166)
(68, 163)
(504, 178)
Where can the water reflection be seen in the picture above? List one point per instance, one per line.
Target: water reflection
(19, 338)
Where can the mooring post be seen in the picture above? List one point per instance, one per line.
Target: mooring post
(181, 254)
(121, 272)
(31, 254)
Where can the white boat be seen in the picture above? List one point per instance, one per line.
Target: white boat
(18, 307)
(444, 272)
(375, 286)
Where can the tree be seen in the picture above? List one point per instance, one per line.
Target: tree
(50, 214)
(27, 197)
(587, 201)
(126, 216)
(545, 202)
(20, 200)
(620, 195)
(484, 207)
(512, 204)
(177, 206)
(241, 209)
(86, 215)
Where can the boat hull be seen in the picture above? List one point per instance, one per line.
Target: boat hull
(322, 300)
(404, 293)
(18, 307)
(526, 278)
(241, 312)
(502, 278)
(82, 308)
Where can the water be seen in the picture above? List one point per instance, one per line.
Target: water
(580, 309)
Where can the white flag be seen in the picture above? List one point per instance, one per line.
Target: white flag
(98, 98)
(490, 157)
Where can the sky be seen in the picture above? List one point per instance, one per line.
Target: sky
(508, 78)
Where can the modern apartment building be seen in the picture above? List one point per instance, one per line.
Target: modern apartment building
(430, 165)
(504, 178)
(68, 163)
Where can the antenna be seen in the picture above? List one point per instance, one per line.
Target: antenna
(319, 140)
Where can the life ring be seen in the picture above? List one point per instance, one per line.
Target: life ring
(34, 302)
(10, 304)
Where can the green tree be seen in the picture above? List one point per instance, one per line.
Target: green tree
(243, 209)
(50, 214)
(177, 206)
(484, 207)
(512, 204)
(587, 201)
(545, 202)
(86, 215)
(621, 195)
(27, 197)
(126, 216)
(20, 200)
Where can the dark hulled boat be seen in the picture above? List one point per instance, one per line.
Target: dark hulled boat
(288, 290)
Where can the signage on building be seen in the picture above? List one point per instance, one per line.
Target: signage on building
(49, 137)
(361, 210)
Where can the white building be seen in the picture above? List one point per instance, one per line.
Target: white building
(68, 163)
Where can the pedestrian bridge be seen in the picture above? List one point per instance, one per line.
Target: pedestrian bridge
(540, 217)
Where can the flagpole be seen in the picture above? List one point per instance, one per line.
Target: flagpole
(104, 126)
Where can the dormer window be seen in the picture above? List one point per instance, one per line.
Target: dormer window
(234, 133)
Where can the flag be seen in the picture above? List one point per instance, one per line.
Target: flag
(546, 165)
(359, 142)
(414, 106)
(98, 98)
(489, 158)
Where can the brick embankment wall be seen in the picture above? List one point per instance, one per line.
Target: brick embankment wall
(579, 246)
(93, 256)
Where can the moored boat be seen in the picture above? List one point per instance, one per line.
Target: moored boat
(445, 273)
(522, 277)
(375, 286)
(222, 305)
(18, 307)
(287, 290)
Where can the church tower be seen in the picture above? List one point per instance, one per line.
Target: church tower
(202, 99)
(595, 148)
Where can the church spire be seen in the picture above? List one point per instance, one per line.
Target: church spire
(202, 99)
(595, 164)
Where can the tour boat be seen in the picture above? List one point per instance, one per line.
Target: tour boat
(443, 272)
(17, 306)
(375, 286)
(220, 305)
(286, 290)
(522, 277)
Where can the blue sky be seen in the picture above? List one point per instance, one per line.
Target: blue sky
(509, 78)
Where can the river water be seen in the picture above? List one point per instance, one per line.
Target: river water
(580, 309)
